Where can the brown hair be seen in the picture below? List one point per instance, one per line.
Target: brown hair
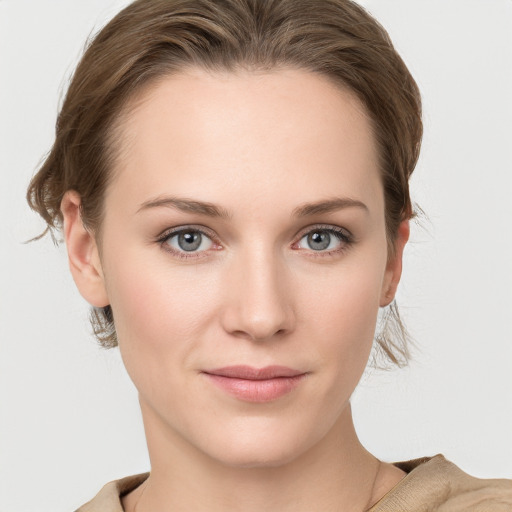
(150, 39)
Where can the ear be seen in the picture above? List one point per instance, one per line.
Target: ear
(394, 265)
(83, 254)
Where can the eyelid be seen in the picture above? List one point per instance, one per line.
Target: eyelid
(168, 233)
(344, 235)
(187, 227)
(325, 227)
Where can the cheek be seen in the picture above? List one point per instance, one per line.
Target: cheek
(345, 298)
(342, 311)
(159, 311)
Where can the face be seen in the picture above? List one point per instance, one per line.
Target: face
(244, 256)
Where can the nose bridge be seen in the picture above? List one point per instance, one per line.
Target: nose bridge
(260, 303)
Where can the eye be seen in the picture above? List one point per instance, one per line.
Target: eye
(324, 240)
(187, 241)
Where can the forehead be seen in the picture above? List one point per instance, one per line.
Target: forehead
(199, 132)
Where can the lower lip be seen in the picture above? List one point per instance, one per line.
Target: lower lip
(256, 390)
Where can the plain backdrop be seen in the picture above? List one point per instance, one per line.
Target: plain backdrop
(69, 419)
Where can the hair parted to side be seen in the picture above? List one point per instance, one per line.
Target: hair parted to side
(151, 39)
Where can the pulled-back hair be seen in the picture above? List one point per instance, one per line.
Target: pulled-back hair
(152, 39)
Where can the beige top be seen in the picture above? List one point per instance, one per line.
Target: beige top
(432, 484)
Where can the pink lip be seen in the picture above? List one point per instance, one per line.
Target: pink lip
(256, 384)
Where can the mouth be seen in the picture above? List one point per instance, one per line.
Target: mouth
(255, 384)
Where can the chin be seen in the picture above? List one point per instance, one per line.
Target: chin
(260, 445)
(255, 457)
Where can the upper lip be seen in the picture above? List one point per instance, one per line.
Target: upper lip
(251, 373)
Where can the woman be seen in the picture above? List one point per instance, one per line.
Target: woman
(232, 183)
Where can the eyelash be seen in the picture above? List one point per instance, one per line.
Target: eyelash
(167, 235)
(342, 235)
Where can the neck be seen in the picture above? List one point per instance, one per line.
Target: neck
(338, 473)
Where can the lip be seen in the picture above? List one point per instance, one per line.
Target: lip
(255, 384)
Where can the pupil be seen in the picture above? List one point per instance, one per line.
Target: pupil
(189, 241)
(319, 240)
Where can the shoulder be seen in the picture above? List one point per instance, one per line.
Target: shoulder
(435, 484)
(109, 498)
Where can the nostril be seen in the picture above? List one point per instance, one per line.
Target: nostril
(253, 334)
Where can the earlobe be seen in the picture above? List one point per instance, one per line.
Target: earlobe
(83, 254)
(394, 265)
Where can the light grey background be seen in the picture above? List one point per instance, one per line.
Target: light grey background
(69, 415)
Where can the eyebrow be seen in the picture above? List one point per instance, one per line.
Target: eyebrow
(328, 206)
(186, 205)
(212, 210)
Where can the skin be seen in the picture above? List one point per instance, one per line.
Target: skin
(258, 146)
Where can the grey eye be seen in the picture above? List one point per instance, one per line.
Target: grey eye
(189, 241)
(319, 240)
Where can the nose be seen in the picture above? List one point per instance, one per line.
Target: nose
(259, 300)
